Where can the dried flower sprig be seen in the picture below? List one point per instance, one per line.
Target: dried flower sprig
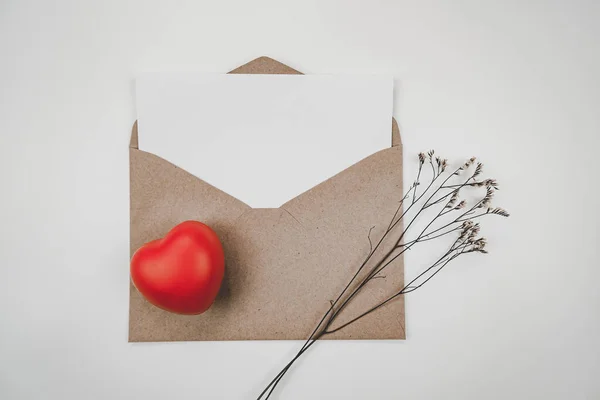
(467, 241)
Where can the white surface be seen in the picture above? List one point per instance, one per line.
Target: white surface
(513, 82)
(263, 139)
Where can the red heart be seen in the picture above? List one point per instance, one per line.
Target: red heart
(183, 271)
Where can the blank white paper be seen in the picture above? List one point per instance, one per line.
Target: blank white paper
(263, 139)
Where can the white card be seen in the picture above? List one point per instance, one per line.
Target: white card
(263, 139)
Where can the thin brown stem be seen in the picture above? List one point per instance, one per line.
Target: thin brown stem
(401, 292)
(465, 243)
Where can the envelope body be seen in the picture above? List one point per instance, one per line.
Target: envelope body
(283, 265)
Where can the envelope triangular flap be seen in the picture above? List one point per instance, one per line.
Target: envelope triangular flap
(265, 65)
(283, 265)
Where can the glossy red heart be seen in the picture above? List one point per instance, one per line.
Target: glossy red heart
(181, 272)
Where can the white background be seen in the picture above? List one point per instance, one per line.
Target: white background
(514, 82)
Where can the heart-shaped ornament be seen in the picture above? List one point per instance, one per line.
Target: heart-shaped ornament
(183, 271)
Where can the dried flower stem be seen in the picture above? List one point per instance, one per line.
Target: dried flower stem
(466, 242)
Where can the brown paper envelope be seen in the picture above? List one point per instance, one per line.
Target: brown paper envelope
(283, 265)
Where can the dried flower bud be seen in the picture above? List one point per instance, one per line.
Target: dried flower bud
(500, 211)
(480, 245)
(460, 205)
(421, 158)
(453, 200)
(469, 162)
(485, 202)
(478, 170)
(491, 183)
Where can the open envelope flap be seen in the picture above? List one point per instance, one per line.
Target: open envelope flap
(283, 265)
